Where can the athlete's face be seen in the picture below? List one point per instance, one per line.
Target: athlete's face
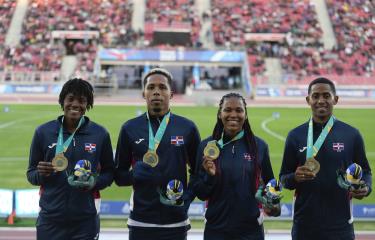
(321, 100)
(232, 115)
(157, 93)
(74, 107)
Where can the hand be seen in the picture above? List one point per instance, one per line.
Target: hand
(303, 174)
(45, 169)
(82, 185)
(359, 193)
(273, 211)
(142, 172)
(209, 165)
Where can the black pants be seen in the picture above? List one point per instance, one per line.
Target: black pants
(87, 229)
(310, 233)
(151, 233)
(254, 234)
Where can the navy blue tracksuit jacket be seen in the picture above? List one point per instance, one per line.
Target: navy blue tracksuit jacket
(321, 204)
(176, 150)
(230, 194)
(58, 200)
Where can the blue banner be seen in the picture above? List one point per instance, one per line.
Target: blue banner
(363, 211)
(6, 202)
(295, 91)
(171, 55)
(30, 88)
(268, 92)
(26, 204)
(122, 208)
(197, 210)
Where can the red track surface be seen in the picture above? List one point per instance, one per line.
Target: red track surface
(29, 234)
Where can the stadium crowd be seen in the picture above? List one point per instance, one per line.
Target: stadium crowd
(112, 19)
(6, 11)
(301, 52)
(172, 14)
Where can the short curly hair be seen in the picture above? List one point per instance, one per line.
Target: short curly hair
(324, 81)
(78, 87)
(161, 71)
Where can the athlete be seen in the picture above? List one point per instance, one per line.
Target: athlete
(152, 150)
(314, 154)
(229, 179)
(61, 149)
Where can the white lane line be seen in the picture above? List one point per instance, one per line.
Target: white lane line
(265, 128)
(7, 124)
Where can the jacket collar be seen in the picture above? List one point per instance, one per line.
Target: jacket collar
(83, 129)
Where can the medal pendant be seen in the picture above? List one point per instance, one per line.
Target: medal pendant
(151, 158)
(60, 162)
(211, 150)
(313, 165)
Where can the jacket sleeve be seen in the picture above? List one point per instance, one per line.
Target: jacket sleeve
(361, 159)
(36, 155)
(194, 140)
(107, 165)
(267, 173)
(203, 182)
(289, 164)
(123, 174)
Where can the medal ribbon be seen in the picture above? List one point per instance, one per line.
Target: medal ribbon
(238, 136)
(62, 146)
(153, 142)
(312, 150)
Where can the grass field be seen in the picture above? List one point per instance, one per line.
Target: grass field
(18, 124)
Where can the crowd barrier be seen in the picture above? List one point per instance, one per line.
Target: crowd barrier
(25, 203)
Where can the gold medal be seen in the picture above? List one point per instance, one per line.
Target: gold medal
(211, 150)
(313, 165)
(60, 162)
(151, 158)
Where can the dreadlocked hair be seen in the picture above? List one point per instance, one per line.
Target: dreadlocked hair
(248, 134)
(78, 87)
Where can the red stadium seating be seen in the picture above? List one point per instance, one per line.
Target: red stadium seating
(39, 52)
(300, 49)
(177, 14)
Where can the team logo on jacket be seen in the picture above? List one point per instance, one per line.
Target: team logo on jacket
(247, 156)
(338, 147)
(139, 140)
(302, 149)
(90, 147)
(52, 145)
(177, 140)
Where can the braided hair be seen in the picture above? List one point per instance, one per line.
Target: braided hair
(78, 87)
(249, 135)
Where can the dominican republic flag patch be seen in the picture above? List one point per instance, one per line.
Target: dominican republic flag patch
(177, 140)
(90, 147)
(338, 147)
